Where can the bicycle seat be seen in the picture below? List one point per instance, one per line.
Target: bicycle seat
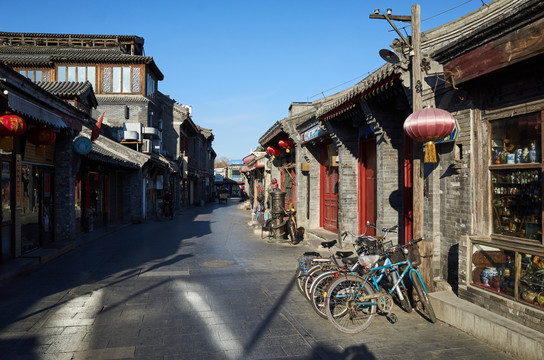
(312, 253)
(344, 254)
(328, 244)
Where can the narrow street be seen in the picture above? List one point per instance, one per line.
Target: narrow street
(202, 286)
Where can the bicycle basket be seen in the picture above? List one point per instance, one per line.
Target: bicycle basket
(304, 263)
(396, 255)
(371, 245)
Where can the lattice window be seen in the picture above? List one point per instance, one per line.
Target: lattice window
(107, 79)
(135, 80)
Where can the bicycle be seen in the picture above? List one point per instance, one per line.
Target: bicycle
(352, 301)
(364, 245)
(311, 264)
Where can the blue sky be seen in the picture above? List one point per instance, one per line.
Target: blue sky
(240, 64)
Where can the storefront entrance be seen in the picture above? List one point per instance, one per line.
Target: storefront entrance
(36, 206)
(329, 188)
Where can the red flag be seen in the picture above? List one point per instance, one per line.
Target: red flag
(96, 128)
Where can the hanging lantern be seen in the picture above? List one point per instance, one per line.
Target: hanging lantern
(10, 126)
(40, 137)
(273, 150)
(287, 144)
(429, 125)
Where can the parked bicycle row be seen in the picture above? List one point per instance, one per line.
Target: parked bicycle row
(349, 287)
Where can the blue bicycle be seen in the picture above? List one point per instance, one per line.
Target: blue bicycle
(352, 300)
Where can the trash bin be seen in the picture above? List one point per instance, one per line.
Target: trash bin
(277, 205)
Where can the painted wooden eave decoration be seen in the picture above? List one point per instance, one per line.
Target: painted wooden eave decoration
(370, 87)
(521, 44)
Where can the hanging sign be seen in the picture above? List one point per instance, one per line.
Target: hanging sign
(311, 134)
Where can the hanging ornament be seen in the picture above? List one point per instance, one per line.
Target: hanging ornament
(273, 150)
(287, 144)
(40, 137)
(10, 126)
(429, 125)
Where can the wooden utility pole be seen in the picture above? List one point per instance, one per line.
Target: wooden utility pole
(417, 104)
(417, 163)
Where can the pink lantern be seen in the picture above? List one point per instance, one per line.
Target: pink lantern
(429, 125)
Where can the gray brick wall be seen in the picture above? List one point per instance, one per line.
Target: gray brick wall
(66, 165)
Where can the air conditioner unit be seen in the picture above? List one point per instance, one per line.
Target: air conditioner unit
(147, 146)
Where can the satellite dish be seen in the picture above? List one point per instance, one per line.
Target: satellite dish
(389, 56)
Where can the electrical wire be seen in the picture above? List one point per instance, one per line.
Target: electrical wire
(402, 28)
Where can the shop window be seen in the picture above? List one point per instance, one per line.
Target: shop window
(531, 287)
(516, 176)
(493, 269)
(517, 203)
(497, 270)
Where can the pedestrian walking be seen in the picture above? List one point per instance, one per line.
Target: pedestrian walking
(167, 203)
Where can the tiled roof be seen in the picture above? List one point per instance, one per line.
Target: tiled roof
(331, 104)
(21, 55)
(100, 153)
(5, 34)
(65, 89)
(205, 132)
(29, 55)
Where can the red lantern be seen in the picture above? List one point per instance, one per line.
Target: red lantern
(273, 150)
(287, 144)
(41, 136)
(10, 126)
(429, 125)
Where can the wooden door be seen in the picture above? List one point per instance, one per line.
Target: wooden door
(329, 189)
(367, 184)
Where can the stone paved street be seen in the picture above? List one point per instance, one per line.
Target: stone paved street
(202, 286)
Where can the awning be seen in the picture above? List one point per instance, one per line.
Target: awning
(28, 108)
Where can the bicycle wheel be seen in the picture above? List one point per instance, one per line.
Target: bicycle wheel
(401, 294)
(301, 278)
(348, 305)
(318, 290)
(312, 275)
(422, 295)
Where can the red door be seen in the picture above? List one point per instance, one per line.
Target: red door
(367, 184)
(329, 189)
(407, 191)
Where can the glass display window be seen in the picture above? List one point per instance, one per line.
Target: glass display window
(531, 283)
(514, 274)
(493, 269)
(517, 203)
(516, 176)
(516, 140)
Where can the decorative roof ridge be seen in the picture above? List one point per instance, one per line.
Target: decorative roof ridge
(122, 98)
